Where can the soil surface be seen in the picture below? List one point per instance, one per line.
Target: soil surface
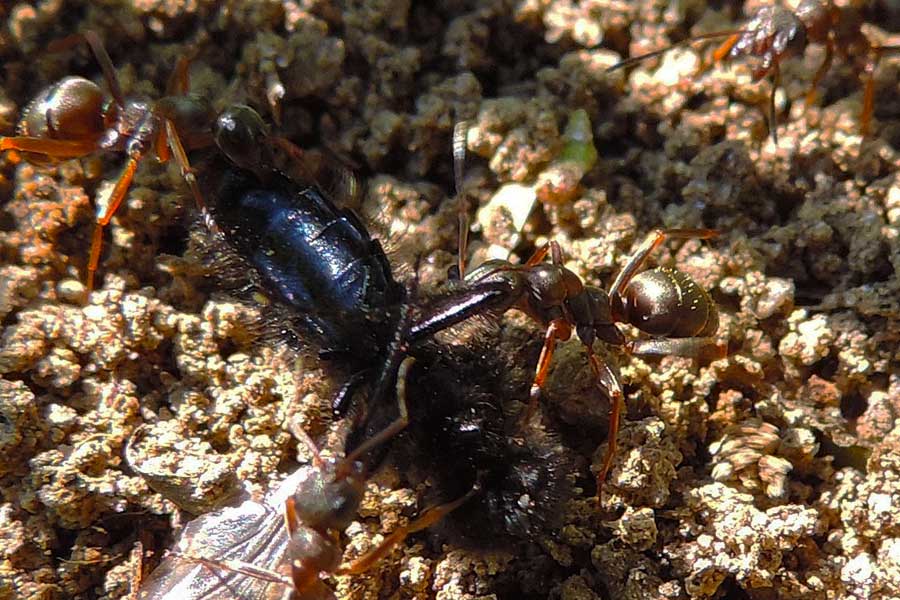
(773, 472)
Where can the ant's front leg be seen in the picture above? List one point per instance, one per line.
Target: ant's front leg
(558, 330)
(107, 209)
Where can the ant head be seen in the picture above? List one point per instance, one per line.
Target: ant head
(550, 285)
(330, 495)
(240, 133)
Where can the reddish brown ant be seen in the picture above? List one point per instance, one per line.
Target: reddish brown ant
(662, 302)
(73, 118)
(248, 550)
(776, 33)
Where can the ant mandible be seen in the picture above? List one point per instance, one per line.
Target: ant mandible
(73, 118)
(663, 302)
(776, 33)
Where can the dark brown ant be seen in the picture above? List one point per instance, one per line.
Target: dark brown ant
(776, 33)
(250, 551)
(73, 118)
(662, 302)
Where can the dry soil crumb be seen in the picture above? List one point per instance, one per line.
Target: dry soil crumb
(770, 473)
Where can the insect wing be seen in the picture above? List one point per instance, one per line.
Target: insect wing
(252, 533)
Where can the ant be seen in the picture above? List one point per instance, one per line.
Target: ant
(776, 33)
(241, 551)
(73, 118)
(663, 302)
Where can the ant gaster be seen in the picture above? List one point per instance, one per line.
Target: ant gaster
(73, 118)
(663, 302)
(775, 33)
(247, 551)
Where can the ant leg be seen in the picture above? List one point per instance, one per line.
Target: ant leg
(653, 240)
(106, 211)
(725, 47)
(184, 164)
(187, 172)
(178, 85)
(690, 347)
(559, 329)
(425, 520)
(609, 384)
(59, 149)
(776, 82)
(462, 215)
(865, 118)
(395, 427)
(237, 566)
(538, 255)
(161, 146)
(820, 73)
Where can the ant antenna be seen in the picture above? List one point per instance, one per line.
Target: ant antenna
(397, 362)
(304, 437)
(394, 428)
(100, 55)
(703, 37)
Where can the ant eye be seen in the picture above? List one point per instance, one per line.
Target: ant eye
(239, 134)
